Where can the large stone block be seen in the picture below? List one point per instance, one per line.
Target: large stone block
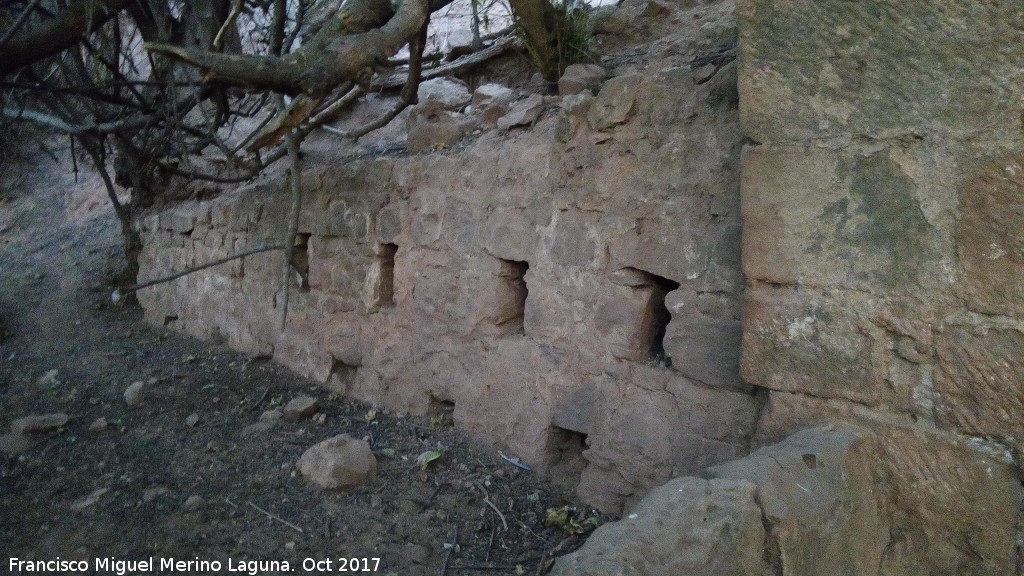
(817, 490)
(955, 504)
(980, 382)
(990, 237)
(431, 127)
(819, 217)
(615, 102)
(813, 69)
(951, 503)
(511, 235)
(814, 343)
(573, 241)
(658, 245)
(689, 526)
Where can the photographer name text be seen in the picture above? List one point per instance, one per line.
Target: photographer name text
(123, 567)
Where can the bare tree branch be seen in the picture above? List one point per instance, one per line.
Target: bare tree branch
(50, 37)
(358, 39)
(22, 18)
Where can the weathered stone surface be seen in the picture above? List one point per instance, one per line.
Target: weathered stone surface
(990, 237)
(615, 102)
(688, 526)
(490, 93)
(491, 102)
(978, 384)
(193, 503)
(153, 492)
(338, 462)
(523, 113)
(952, 502)
(699, 427)
(39, 423)
(814, 216)
(882, 222)
(820, 69)
(631, 278)
(90, 500)
(300, 407)
(432, 127)
(579, 78)
(449, 93)
(703, 338)
(629, 318)
(811, 342)
(955, 502)
(817, 492)
(503, 303)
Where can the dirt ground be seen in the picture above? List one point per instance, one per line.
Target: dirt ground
(174, 476)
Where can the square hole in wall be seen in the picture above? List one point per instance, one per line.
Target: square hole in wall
(342, 377)
(632, 317)
(661, 318)
(510, 297)
(300, 261)
(569, 462)
(379, 290)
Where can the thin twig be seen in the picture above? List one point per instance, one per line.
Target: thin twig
(514, 461)
(487, 500)
(22, 18)
(262, 397)
(501, 46)
(535, 535)
(454, 543)
(187, 271)
(218, 42)
(276, 517)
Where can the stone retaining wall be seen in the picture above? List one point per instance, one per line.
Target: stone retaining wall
(572, 286)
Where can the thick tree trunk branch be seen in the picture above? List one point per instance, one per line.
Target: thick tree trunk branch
(34, 43)
(355, 41)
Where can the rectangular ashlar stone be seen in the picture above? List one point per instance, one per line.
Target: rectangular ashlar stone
(813, 68)
(841, 219)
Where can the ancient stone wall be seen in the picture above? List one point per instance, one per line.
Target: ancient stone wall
(883, 209)
(571, 283)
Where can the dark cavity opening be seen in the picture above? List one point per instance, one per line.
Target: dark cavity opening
(512, 293)
(300, 261)
(386, 264)
(441, 412)
(342, 377)
(569, 462)
(661, 317)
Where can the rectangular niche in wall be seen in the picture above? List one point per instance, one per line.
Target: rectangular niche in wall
(566, 448)
(300, 261)
(632, 316)
(510, 295)
(379, 288)
(341, 377)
